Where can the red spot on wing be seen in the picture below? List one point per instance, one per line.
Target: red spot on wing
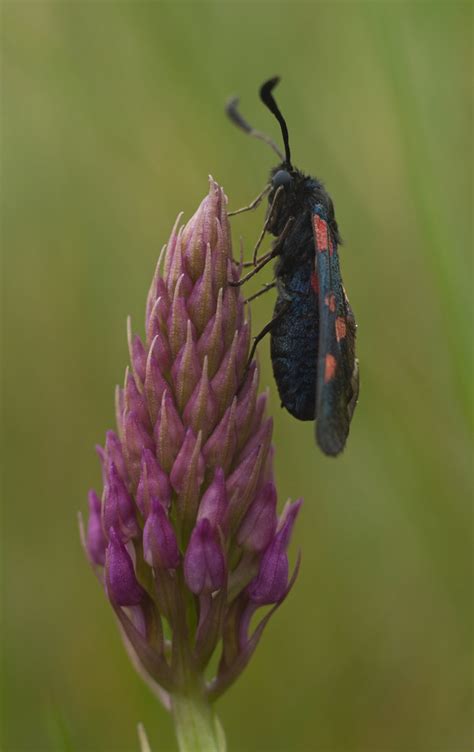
(330, 301)
(330, 364)
(315, 282)
(321, 233)
(323, 237)
(340, 328)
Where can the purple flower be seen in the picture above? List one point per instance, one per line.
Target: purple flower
(259, 524)
(186, 531)
(96, 542)
(204, 563)
(270, 584)
(122, 584)
(160, 547)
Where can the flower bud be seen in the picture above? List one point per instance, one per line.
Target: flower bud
(214, 501)
(168, 432)
(259, 524)
(96, 541)
(118, 510)
(160, 548)
(153, 483)
(138, 354)
(113, 453)
(204, 563)
(122, 585)
(271, 582)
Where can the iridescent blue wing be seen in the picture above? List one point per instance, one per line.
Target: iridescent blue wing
(337, 381)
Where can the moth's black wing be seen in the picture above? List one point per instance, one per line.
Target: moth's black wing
(337, 367)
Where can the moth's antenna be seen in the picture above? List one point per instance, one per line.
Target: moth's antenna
(267, 99)
(233, 113)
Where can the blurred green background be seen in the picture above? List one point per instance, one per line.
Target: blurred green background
(112, 118)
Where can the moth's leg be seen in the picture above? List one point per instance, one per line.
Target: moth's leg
(279, 240)
(260, 262)
(265, 259)
(266, 329)
(253, 204)
(266, 287)
(241, 263)
(266, 223)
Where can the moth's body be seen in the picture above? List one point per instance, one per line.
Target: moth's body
(299, 344)
(313, 328)
(294, 344)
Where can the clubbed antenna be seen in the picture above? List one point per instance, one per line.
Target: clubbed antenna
(234, 114)
(268, 100)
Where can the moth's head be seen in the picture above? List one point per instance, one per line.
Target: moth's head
(287, 189)
(281, 177)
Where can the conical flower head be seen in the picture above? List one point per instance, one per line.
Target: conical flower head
(187, 517)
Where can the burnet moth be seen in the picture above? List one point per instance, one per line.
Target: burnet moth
(313, 328)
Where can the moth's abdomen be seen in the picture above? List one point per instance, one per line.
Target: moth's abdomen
(294, 352)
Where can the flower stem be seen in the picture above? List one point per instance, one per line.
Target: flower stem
(197, 727)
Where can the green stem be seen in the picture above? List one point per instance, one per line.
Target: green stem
(197, 727)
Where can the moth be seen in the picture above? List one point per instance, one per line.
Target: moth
(313, 329)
